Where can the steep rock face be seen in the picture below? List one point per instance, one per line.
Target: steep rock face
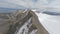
(23, 23)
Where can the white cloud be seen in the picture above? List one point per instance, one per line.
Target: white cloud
(26, 3)
(40, 4)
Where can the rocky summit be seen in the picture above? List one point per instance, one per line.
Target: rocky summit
(21, 22)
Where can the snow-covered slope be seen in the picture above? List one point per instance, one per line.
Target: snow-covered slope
(50, 22)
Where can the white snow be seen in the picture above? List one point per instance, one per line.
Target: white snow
(50, 22)
(24, 29)
(33, 32)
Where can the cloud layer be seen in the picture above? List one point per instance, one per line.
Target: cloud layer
(39, 4)
(25, 3)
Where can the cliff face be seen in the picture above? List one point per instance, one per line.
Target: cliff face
(22, 23)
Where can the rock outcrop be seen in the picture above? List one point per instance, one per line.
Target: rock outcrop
(15, 22)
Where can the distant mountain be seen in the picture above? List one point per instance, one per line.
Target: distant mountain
(17, 7)
(7, 9)
(51, 13)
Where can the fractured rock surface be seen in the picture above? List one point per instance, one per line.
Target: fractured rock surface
(21, 23)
